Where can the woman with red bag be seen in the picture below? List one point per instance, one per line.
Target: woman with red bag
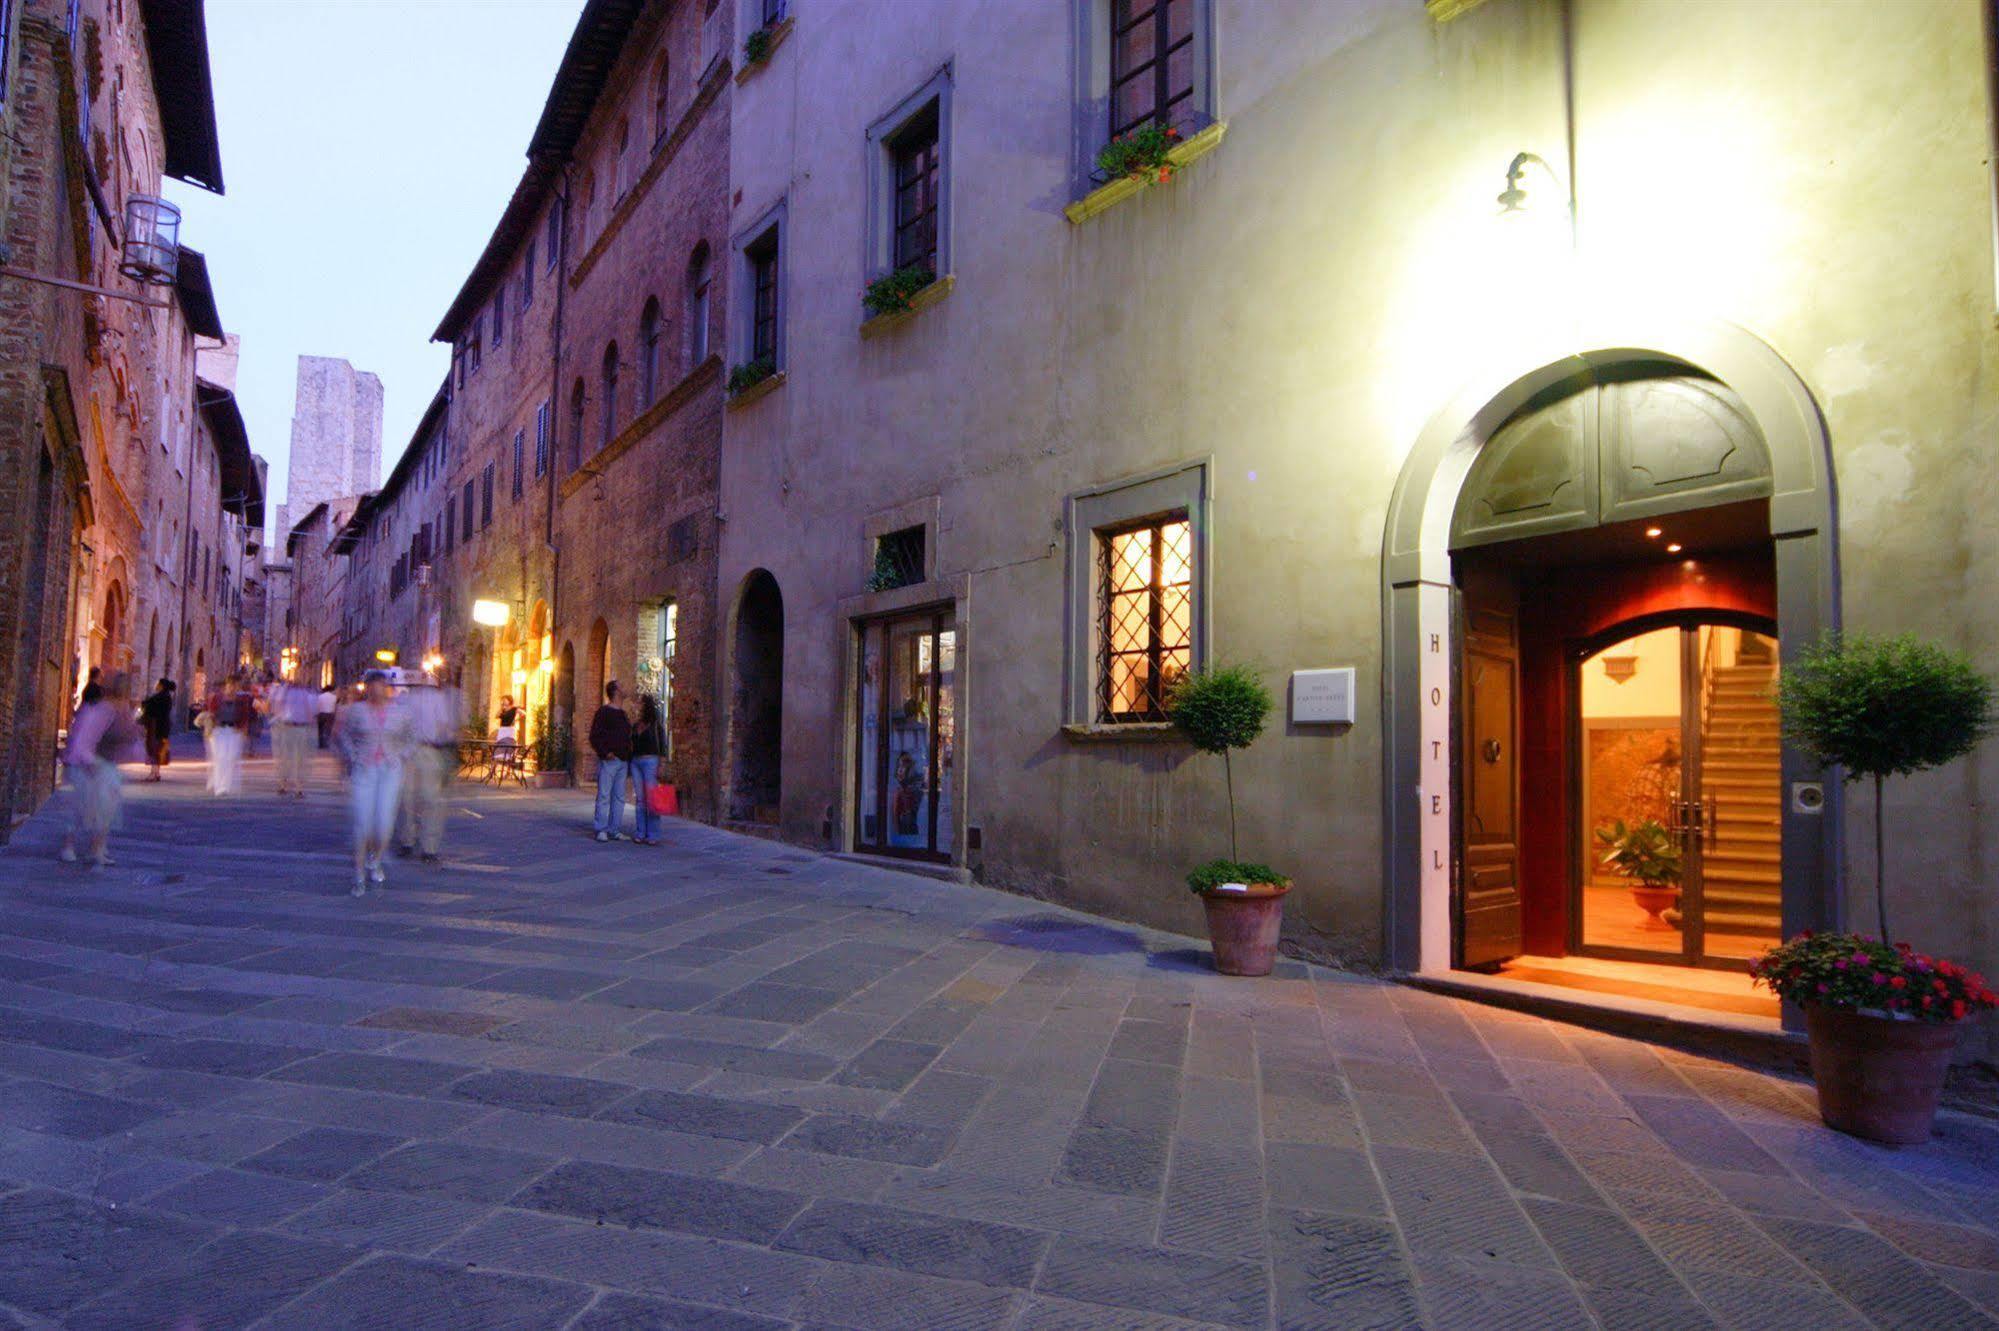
(648, 748)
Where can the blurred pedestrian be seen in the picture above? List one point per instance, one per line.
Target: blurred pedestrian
(156, 718)
(102, 734)
(433, 712)
(611, 741)
(648, 751)
(329, 702)
(509, 718)
(294, 714)
(229, 712)
(374, 740)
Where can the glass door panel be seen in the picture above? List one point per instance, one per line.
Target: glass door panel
(1632, 752)
(906, 736)
(1678, 765)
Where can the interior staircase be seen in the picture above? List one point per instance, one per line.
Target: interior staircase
(1743, 867)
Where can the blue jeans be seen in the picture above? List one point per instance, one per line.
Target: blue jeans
(645, 774)
(611, 793)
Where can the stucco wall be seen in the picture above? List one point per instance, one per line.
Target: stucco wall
(1296, 306)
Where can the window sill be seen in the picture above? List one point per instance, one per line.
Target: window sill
(1106, 197)
(777, 36)
(1144, 732)
(1443, 11)
(761, 388)
(922, 300)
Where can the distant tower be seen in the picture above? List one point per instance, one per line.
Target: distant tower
(336, 447)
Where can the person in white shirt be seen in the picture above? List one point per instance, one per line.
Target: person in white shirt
(294, 713)
(434, 718)
(374, 739)
(329, 702)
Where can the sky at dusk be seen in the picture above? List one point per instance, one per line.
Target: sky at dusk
(368, 147)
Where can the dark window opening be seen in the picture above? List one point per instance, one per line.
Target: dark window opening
(762, 257)
(898, 560)
(915, 152)
(1152, 62)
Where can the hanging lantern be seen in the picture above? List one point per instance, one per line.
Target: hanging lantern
(152, 240)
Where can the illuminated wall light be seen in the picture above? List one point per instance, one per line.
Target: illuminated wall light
(1674, 548)
(492, 614)
(1654, 533)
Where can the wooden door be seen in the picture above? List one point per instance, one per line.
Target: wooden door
(1488, 888)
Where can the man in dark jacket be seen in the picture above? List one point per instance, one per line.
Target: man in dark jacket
(156, 717)
(611, 741)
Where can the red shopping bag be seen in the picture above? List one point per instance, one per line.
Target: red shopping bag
(663, 800)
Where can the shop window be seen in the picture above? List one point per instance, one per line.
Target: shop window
(658, 638)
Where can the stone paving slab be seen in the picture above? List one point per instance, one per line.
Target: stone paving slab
(731, 1085)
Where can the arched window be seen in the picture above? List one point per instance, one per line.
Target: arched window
(576, 423)
(648, 353)
(659, 89)
(621, 169)
(697, 305)
(609, 385)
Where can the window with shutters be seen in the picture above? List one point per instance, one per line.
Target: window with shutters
(541, 428)
(486, 498)
(520, 449)
(465, 518)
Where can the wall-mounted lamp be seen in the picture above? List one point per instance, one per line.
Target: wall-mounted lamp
(492, 614)
(386, 655)
(1513, 199)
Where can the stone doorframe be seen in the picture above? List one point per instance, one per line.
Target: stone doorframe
(1417, 701)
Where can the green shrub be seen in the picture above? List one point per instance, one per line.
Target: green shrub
(1216, 872)
(1140, 153)
(756, 46)
(1220, 710)
(1644, 851)
(1882, 707)
(552, 745)
(748, 375)
(892, 292)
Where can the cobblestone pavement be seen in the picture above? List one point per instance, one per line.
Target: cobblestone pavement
(729, 1085)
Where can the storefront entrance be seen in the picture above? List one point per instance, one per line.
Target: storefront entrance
(906, 732)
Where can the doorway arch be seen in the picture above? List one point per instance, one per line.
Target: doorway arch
(1417, 587)
(756, 709)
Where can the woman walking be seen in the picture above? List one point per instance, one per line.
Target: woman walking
(102, 734)
(156, 718)
(228, 730)
(374, 738)
(648, 748)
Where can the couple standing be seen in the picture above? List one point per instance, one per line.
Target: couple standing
(627, 751)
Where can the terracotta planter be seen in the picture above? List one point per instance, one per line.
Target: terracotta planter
(1879, 1078)
(1243, 927)
(1655, 902)
(556, 780)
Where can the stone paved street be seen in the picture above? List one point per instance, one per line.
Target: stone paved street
(730, 1085)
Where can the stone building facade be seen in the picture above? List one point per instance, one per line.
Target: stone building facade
(567, 473)
(117, 492)
(1455, 366)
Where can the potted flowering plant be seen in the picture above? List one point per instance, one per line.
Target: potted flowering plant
(1140, 153)
(892, 293)
(1221, 710)
(1883, 1018)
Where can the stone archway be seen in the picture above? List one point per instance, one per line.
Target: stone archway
(756, 702)
(1417, 608)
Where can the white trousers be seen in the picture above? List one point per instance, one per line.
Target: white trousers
(373, 791)
(225, 760)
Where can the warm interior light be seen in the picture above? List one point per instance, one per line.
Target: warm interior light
(386, 655)
(490, 613)
(1654, 533)
(1674, 548)
(547, 666)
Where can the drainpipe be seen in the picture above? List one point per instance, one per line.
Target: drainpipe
(1568, 12)
(554, 433)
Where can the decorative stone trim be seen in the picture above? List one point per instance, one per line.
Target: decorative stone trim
(1443, 11)
(1108, 196)
(761, 388)
(921, 300)
(777, 36)
(643, 424)
(669, 148)
(1143, 732)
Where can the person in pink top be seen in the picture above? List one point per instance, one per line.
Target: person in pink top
(102, 734)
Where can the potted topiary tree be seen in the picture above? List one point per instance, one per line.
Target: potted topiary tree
(1883, 1018)
(1221, 710)
(552, 752)
(1645, 853)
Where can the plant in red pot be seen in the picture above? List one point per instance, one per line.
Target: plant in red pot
(1883, 1018)
(1221, 710)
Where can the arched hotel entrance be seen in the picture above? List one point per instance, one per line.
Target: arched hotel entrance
(1657, 507)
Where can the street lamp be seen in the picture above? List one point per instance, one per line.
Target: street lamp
(492, 614)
